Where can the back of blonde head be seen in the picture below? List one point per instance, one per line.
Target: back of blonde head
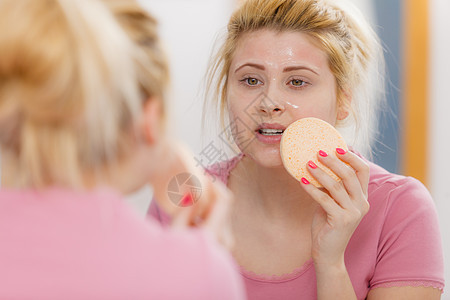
(68, 90)
(142, 28)
(353, 50)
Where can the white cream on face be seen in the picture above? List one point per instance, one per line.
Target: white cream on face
(292, 105)
(272, 60)
(287, 72)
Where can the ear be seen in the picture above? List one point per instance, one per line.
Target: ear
(152, 120)
(344, 107)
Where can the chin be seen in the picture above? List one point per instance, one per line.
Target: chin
(268, 158)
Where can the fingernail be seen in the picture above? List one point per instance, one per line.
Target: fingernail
(186, 200)
(305, 181)
(340, 151)
(323, 153)
(312, 164)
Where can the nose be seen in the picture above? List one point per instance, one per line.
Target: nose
(270, 106)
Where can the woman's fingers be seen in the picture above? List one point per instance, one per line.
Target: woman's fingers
(210, 212)
(182, 219)
(335, 188)
(354, 174)
(344, 171)
(329, 205)
(360, 167)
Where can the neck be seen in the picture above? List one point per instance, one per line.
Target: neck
(272, 192)
(125, 176)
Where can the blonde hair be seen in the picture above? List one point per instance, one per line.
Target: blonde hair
(142, 28)
(353, 49)
(68, 90)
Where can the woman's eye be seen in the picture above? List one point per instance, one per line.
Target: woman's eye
(297, 82)
(251, 81)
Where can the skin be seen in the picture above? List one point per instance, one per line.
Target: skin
(169, 158)
(280, 215)
(306, 92)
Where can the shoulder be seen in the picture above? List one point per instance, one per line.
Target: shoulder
(196, 255)
(219, 267)
(393, 188)
(85, 226)
(401, 204)
(402, 225)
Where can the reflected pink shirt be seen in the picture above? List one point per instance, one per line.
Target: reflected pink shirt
(397, 243)
(60, 244)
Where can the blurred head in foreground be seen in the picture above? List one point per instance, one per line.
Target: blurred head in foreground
(81, 104)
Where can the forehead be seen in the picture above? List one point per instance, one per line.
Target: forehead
(279, 47)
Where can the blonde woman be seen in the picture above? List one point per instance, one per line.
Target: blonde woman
(372, 236)
(81, 124)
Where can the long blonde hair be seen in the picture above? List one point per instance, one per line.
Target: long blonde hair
(68, 90)
(353, 49)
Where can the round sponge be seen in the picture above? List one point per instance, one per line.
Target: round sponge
(301, 142)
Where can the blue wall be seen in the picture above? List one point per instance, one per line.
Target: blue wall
(389, 28)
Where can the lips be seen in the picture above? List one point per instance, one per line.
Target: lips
(270, 133)
(271, 129)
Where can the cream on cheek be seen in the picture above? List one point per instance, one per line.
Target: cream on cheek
(267, 65)
(318, 99)
(320, 105)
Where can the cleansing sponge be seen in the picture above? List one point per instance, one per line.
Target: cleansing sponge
(301, 142)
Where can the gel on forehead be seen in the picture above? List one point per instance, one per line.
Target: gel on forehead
(301, 142)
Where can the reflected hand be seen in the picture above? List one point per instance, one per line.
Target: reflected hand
(209, 210)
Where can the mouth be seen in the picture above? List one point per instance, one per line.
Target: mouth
(270, 132)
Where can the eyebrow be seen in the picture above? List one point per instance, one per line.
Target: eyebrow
(260, 67)
(294, 68)
(287, 69)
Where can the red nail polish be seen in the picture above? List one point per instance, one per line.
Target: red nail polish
(340, 151)
(312, 164)
(305, 181)
(187, 200)
(323, 153)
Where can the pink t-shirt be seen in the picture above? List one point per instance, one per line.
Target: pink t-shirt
(397, 243)
(61, 244)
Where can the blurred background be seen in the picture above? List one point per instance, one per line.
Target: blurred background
(415, 131)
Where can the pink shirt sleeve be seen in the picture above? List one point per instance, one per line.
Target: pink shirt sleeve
(410, 250)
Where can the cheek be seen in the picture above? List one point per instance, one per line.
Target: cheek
(237, 104)
(320, 105)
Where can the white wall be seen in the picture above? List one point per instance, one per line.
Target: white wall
(367, 9)
(439, 154)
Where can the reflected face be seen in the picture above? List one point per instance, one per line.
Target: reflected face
(275, 79)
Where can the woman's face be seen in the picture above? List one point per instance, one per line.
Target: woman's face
(276, 78)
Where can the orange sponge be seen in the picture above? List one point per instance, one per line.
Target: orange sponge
(301, 142)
